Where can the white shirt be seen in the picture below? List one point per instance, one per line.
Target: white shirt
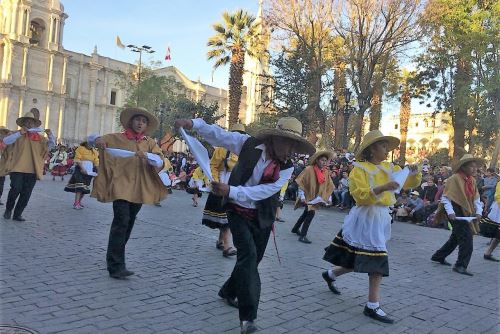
(252, 191)
(11, 139)
(449, 207)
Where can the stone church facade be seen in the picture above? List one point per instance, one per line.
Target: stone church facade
(77, 94)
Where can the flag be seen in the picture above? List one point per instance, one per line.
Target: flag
(167, 54)
(119, 43)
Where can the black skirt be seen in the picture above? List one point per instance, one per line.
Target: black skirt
(79, 182)
(214, 213)
(488, 228)
(359, 260)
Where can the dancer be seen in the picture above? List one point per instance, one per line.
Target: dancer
(198, 181)
(314, 182)
(79, 183)
(460, 199)
(490, 226)
(27, 150)
(129, 181)
(263, 167)
(214, 214)
(58, 163)
(360, 246)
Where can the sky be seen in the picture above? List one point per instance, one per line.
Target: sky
(184, 25)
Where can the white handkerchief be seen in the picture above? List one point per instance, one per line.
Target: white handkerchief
(199, 152)
(467, 219)
(116, 152)
(154, 159)
(36, 130)
(317, 200)
(88, 166)
(400, 177)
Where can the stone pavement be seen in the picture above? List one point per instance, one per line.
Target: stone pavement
(54, 280)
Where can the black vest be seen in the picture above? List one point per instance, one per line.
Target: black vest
(247, 160)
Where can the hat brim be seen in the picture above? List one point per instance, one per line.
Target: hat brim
(20, 121)
(127, 114)
(460, 163)
(4, 131)
(328, 154)
(393, 143)
(303, 146)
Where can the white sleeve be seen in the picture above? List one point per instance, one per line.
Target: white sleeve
(217, 136)
(447, 205)
(11, 139)
(301, 194)
(479, 206)
(261, 191)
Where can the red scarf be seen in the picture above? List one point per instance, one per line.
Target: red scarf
(469, 185)
(132, 135)
(320, 175)
(271, 173)
(33, 136)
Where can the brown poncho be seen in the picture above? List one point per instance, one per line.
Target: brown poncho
(308, 182)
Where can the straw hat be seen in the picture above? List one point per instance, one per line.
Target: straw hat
(416, 193)
(4, 130)
(238, 127)
(291, 128)
(465, 159)
(375, 136)
(328, 154)
(32, 114)
(128, 113)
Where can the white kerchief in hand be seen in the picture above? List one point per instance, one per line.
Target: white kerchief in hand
(165, 178)
(154, 159)
(400, 178)
(36, 130)
(199, 152)
(317, 200)
(88, 166)
(116, 152)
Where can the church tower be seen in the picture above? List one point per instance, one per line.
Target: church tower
(256, 78)
(31, 33)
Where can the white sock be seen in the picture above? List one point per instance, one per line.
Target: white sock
(331, 274)
(374, 306)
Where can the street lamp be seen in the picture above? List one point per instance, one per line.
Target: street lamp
(140, 50)
(347, 99)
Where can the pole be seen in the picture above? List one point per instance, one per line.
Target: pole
(139, 81)
(346, 121)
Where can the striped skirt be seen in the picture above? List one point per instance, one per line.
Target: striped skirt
(340, 253)
(214, 213)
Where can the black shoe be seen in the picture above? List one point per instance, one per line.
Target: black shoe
(296, 231)
(373, 314)
(304, 240)
(330, 281)
(19, 218)
(462, 270)
(7, 214)
(440, 261)
(121, 274)
(490, 258)
(248, 327)
(229, 300)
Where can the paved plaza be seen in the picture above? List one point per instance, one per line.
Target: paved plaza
(54, 279)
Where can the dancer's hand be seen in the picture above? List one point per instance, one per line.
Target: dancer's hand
(100, 143)
(413, 168)
(23, 130)
(184, 123)
(478, 217)
(391, 185)
(48, 132)
(220, 189)
(141, 155)
(452, 217)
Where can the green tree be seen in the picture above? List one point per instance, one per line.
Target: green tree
(237, 34)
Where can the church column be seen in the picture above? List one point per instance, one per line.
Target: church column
(22, 96)
(7, 62)
(14, 24)
(92, 95)
(25, 64)
(62, 99)
(47, 111)
(50, 84)
(78, 100)
(4, 105)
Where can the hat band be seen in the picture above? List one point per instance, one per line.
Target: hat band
(279, 127)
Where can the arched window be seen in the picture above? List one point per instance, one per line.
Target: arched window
(37, 32)
(426, 122)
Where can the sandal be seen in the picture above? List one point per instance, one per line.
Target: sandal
(229, 252)
(219, 245)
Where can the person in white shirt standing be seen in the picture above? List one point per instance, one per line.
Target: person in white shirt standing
(251, 199)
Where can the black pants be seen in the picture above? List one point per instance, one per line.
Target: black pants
(305, 221)
(21, 185)
(461, 236)
(2, 182)
(244, 282)
(123, 222)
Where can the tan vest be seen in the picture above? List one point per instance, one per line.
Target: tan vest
(131, 179)
(27, 156)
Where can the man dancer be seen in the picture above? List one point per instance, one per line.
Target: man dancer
(252, 198)
(27, 149)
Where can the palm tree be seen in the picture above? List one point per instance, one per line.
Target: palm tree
(237, 34)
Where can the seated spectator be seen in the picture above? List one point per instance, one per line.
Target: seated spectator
(428, 193)
(342, 190)
(400, 206)
(415, 203)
